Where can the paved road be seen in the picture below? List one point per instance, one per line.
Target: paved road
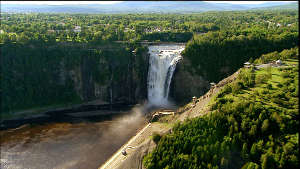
(115, 160)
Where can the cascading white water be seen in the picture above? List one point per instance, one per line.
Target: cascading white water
(162, 64)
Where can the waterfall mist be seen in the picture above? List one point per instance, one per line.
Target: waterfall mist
(162, 64)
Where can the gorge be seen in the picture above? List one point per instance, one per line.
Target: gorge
(83, 131)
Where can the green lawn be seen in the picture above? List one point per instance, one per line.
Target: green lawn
(258, 91)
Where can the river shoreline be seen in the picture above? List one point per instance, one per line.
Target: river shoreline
(78, 113)
(81, 144)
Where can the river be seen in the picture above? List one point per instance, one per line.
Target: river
(80, 145)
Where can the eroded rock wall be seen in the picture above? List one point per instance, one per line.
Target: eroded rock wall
(187, 84)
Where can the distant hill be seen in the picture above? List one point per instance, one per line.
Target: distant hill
(143, 7)
(293, 5)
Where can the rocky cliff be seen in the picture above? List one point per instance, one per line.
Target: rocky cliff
(47, 74)
(70, 73)
(187, 84)
(114, 75)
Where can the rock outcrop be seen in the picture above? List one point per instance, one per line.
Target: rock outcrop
(186, 84)
(113, 76)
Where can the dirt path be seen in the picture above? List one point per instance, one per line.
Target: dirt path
(117, 157)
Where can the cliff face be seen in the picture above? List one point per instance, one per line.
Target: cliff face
(186, 84)
(51, 74)
(113, 76)
(120, 76)
(39, 75)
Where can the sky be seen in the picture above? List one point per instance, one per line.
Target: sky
(245, 2)
(59, 2)
(114, 2)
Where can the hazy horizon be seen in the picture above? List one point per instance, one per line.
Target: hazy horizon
(116, 2)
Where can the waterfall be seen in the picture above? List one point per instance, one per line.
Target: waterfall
(162, 64)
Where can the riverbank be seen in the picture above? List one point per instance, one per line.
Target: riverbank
(94, 110)
(79, 144)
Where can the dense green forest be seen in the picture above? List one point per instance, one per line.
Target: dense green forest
(253, 124)
(53, 59)
(106, 28)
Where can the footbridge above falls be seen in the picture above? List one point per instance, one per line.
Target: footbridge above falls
(147, 43)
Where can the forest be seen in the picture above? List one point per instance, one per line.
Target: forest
(45, 56)
(252, 124)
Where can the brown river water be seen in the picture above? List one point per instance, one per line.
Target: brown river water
(64, 145)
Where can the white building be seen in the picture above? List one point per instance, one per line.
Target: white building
(278, 62)
(77, 29)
